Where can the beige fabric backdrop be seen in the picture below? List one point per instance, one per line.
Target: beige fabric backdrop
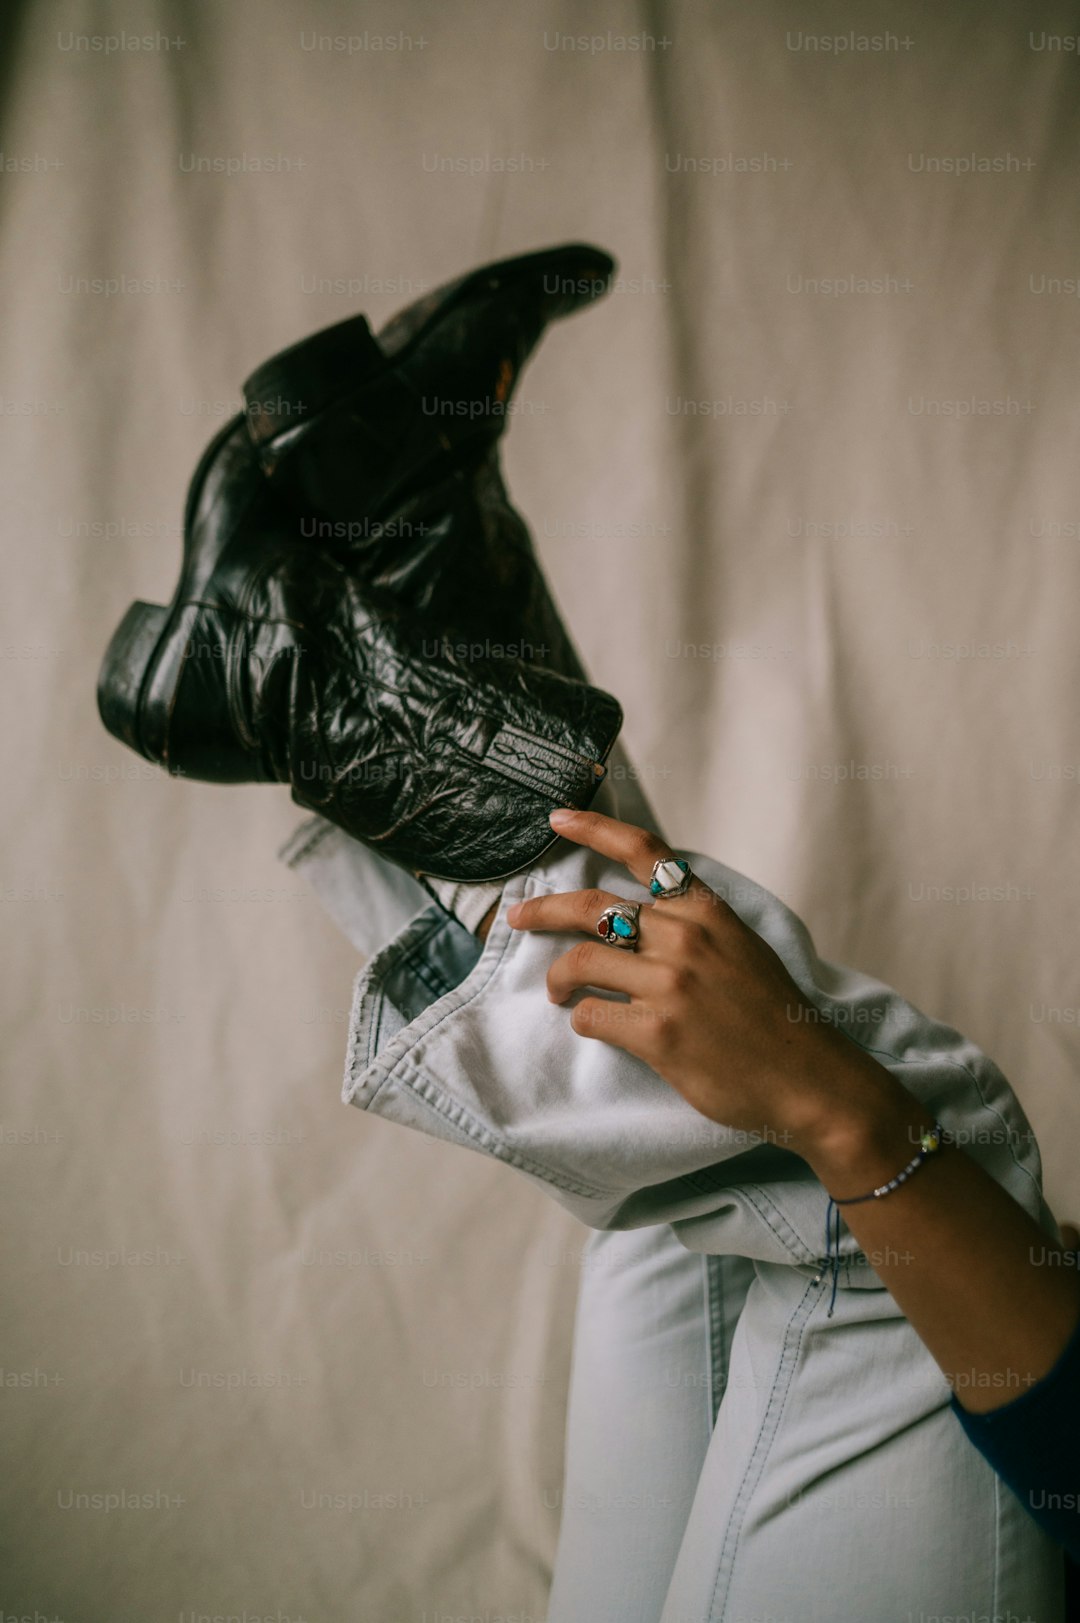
(838, 600)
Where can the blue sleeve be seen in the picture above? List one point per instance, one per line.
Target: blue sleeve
(1033, 1443)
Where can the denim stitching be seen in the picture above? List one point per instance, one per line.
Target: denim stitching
(715, 1352)
(398, 953)
(756, 1464)
(461, 1002)
(375, 1024)
(377, 1082)
(997, 1486)
(411, 959)
(791, 1241)
(793, 1244)
(462, 1128)
(948, 1059)
(424, 1087)
(824, 1002)
(415, 964)
(318, 833)
(359, 1028)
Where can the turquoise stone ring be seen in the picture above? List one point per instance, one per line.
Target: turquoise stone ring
(670, 877)
(618, 926)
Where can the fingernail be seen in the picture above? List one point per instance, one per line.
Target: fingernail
(513, 912)
(560, 818)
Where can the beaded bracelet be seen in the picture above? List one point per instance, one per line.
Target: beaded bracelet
(929, 1143)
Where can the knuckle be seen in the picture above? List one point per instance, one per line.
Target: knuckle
(721, 906)
(649, 1047)
(683, 979)
(584, 1016)
(666, 980)
(593, 903)
(692, 935)
(723, 914)
(653, 1038)
(675, 979)
(646, 847)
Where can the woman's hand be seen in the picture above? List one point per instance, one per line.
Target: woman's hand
(711, 1007)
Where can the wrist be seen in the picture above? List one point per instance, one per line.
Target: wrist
(867, 1127)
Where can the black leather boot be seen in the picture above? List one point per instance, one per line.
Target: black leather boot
(350, 426)
(460, 557)
(273, 663)
(445, 540)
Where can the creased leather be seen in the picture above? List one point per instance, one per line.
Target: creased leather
(365, 479)
(414, 684)
(292, 671)
(439, 382)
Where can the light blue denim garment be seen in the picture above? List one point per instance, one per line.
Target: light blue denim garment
(735, 1456)
(460, 1041)
(651, 1356)
(835, 1483)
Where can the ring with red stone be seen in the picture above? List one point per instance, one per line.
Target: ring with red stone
(618, 926)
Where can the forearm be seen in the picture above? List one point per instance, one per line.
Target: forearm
(980, 1281)
(709, 1006)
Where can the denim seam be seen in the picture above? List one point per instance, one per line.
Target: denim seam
(464, 1128)
(361, 1026)
(398, 954)
(716, 1354)
(427, 1025)
(767, 1430)
(458, 1003)
(414, 963)
(375, 1024)
(422, 1086)
(948, 1059)
(997, 1542)
(320, 832)
(371, 1024)
(789, 1239)
(430, 1022)
(796, 1244)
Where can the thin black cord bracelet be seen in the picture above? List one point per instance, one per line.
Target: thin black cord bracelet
(929, 1143)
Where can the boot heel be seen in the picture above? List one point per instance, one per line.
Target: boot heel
(124, 670)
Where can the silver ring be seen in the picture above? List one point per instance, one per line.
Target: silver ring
(671, 876)
(618, 926)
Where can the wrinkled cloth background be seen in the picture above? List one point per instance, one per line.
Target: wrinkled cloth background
(320, 1361)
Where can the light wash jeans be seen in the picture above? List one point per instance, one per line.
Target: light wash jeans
(733, 1453)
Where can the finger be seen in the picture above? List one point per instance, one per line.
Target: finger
(623, 1025)
(638, 849)
(590, 963)
(568, 910)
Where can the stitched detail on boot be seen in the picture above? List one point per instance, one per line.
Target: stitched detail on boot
(551, 768)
